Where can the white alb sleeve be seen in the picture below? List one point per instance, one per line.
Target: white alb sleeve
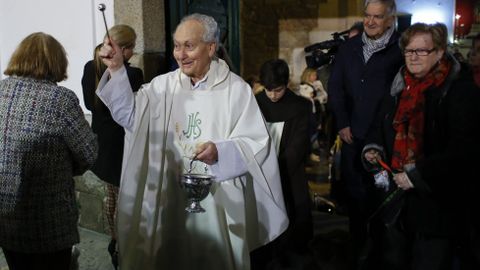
(116, 93)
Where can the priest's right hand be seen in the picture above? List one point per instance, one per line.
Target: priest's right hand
(111, 55)
(207, 153)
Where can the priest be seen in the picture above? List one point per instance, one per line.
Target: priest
(200, 111)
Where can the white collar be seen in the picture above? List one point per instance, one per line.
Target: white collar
(201, 85)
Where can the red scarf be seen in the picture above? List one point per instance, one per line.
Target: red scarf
(409, 118)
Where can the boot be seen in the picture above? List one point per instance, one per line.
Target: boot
(74, 258)
(112, 249)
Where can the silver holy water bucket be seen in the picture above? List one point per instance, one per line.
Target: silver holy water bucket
(197, 187)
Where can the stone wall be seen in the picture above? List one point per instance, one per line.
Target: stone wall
(90, 191)
(281, 29)
(147, 17)
(268, 29)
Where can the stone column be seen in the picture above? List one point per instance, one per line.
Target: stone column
(147, 17)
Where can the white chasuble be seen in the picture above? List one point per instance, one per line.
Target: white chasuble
(170, 120)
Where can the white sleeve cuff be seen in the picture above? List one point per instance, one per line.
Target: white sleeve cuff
(230, 163)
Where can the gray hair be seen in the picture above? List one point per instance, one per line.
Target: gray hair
(390, 4)
(211, 31)
(123, 35)
(437, 31)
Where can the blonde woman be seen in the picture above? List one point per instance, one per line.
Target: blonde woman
(309, 78)
(110, 134)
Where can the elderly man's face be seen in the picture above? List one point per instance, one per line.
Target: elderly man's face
(193, 55)
(421, 55)
(376, 20)
(474, 57)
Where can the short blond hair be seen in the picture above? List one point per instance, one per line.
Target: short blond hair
(306, 74)
(39, 56)
(123, 35)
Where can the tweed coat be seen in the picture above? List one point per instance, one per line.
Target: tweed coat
(45, 141)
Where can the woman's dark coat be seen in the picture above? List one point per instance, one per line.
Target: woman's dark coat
(110, 135)
(445, 180)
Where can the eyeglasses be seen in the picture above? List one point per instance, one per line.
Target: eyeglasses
(418, 52)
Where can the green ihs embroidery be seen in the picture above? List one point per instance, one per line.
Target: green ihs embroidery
(193, 128)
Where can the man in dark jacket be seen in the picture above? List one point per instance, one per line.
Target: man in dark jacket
(363, 71)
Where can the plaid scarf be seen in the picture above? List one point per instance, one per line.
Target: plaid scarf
(409, 118)
(371, 46)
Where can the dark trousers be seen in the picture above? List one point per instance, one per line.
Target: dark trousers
(59, 260)
(356, 188)
(468, 248)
